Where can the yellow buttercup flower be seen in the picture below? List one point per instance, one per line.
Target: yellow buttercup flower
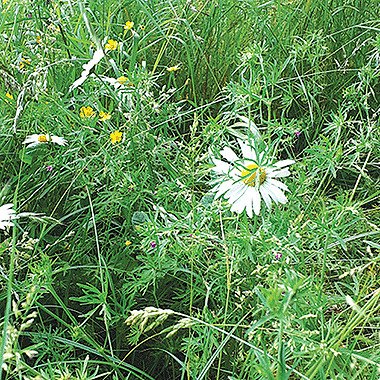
(9, 96)
(173, 68)
(128, 243)
(86, 112)
(111, 45)
(116, 137)
(129, 25)
(24, 62)
(103, 116)
(39, 39)
(122, 79)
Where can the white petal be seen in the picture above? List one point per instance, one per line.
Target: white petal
(222, 188)
(235, 174)
(236, 192)
(58, 140)
(31, 145)
(248, 123)
(229, 154)
(266, 197)
(6, 210)
(5, 224)
(30, 138)
(221, 167)
(6, 215)
(280, 185)
(281, 164)
(79, 81)
(240, 204)
(247, 151)
(278, 174)
(256, 201)
(98, 55)
(276, 194)
(248, 207)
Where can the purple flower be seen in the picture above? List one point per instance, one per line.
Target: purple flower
(49, 168)
(297, 133)
(278, 256)
(153, 244)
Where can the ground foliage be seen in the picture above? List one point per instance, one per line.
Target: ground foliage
(131, 225)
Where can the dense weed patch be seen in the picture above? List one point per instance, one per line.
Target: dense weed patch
(189, 189)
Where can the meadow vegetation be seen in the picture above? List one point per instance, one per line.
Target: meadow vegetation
(121, 263)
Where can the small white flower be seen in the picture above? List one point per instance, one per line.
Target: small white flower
(34, 140)
(6, 215)
(98, 55)
(244, 181)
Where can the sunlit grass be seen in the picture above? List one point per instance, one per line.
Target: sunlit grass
(120, 223)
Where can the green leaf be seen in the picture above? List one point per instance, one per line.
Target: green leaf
(139, 217)
(27, 158)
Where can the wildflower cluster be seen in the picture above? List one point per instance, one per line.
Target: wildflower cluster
(88, 113)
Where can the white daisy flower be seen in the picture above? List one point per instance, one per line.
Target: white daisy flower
(6, 215)
(34, 140)
(244, 181)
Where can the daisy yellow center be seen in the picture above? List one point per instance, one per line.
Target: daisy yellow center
(42, 138)
(250, 172)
